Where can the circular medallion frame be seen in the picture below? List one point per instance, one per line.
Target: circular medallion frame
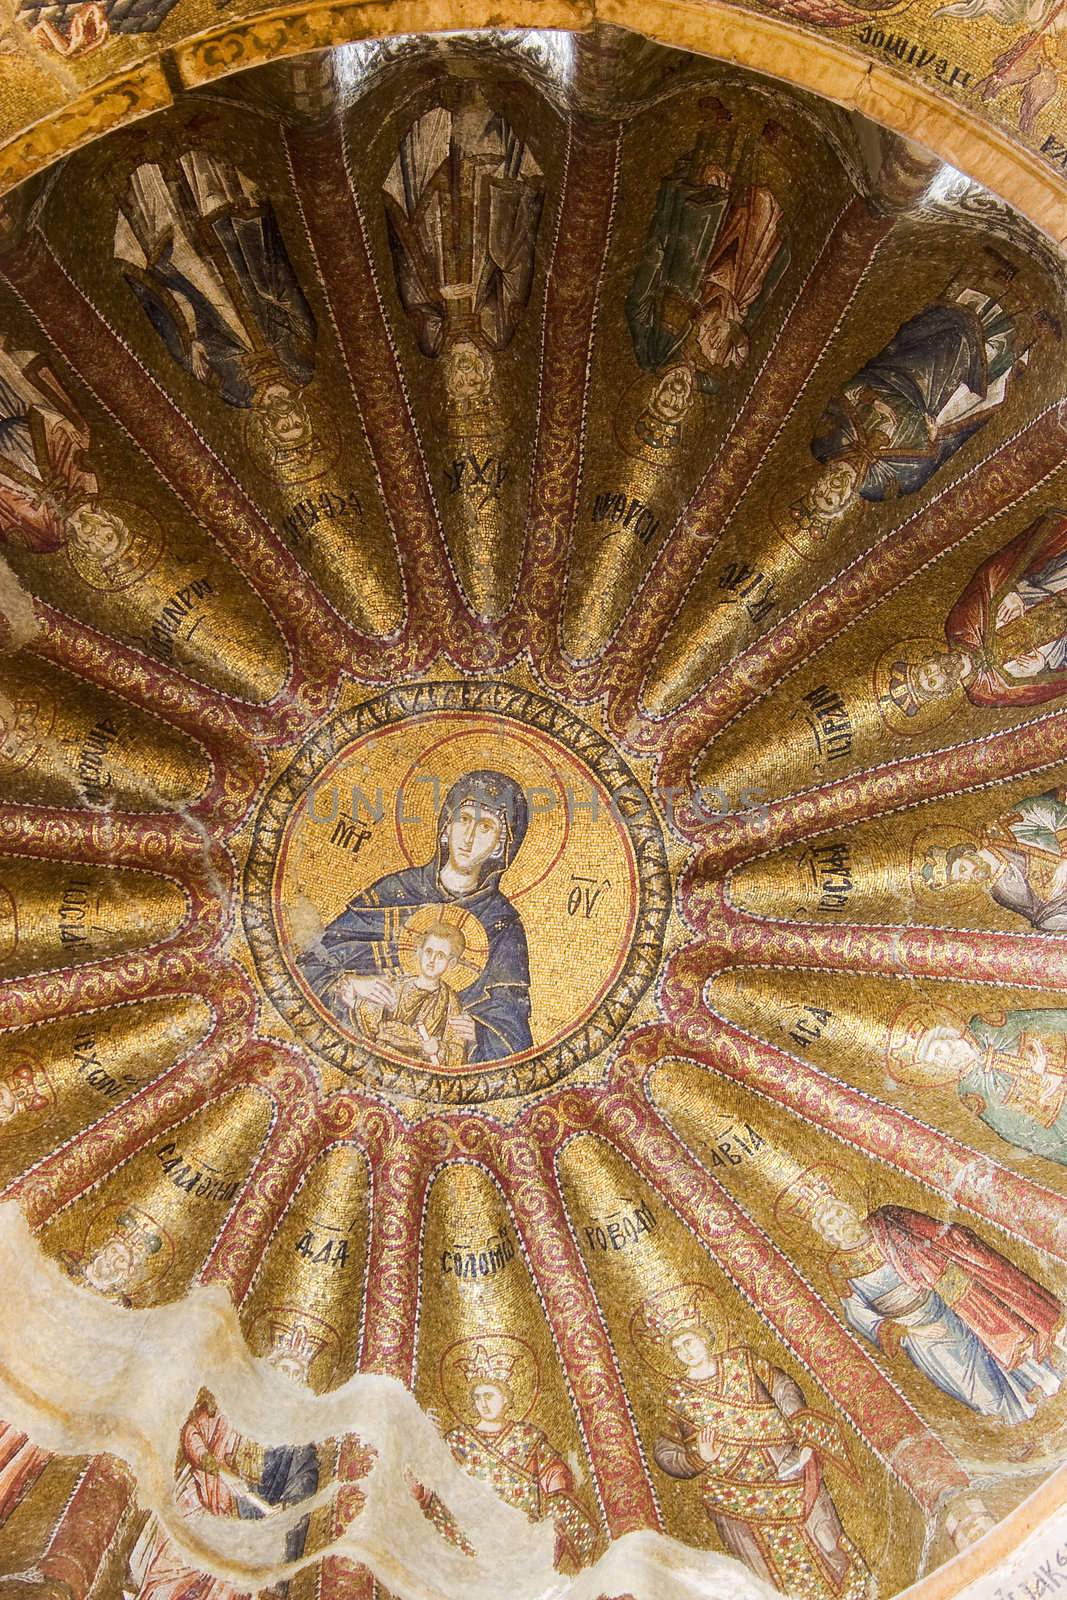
(524, 714)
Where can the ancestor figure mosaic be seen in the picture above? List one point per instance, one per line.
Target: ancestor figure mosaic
(744, 1429)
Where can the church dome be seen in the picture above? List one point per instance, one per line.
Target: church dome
(533, 838)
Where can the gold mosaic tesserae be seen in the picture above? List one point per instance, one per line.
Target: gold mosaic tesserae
(533, 804)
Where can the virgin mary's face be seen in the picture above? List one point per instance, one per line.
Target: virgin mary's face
(473, 836)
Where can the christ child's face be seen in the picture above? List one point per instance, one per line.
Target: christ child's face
(112, 1266)
(691, 1348)
(474, 835)
(490, 1401)
(838, 1225)
(435, 957)
(674, 394)
(98, 533)
(947, 1048)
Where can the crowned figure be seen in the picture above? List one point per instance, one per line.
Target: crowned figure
(971, 1321)
(940, 378)
(128, 1255)
(744, 1428)
(502, 1448)
(1010, 1070)
(1020, 862)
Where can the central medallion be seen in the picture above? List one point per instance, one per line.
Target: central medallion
(457, 892)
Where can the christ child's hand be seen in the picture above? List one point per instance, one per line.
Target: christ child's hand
(463, 1026)
(706, 1446)
(351, 989)
(431, 1049)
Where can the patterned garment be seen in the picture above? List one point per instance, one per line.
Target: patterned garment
(771, 1509)
(528, 1473)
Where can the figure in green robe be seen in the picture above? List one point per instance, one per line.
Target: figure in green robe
(1009, 1069)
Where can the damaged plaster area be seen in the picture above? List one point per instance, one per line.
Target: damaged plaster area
(99, 1378)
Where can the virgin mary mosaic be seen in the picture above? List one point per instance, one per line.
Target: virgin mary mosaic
(457, 890)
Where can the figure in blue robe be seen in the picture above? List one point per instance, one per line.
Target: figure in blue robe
(290, 1474)
(366, 938)
(918, 401)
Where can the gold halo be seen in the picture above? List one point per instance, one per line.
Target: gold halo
(302, 465)
(27, 1120)
(793, 1225)
(912, 1019)
(287, 1319)
(523, 1382)
(474, 957)
(929, 714)
(146, 543)
(545, 836)
(44, 712)
(634, 402)
(653, 1351)
(941, 836)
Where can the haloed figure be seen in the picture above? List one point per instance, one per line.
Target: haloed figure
(480, 830)
(971, 1321)
(517, 1458)
(744, 1429)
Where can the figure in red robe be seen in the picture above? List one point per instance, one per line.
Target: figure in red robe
(43, 441)
(970, 1320)
(1007, 632)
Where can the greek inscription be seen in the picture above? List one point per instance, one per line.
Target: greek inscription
(470, 1263)
(322, 1250)
(77, 907)
(830, 869)
(328, 505)
(350, 834)
(911, 54)
(480, 478)
(195, 1177)
(87, 1062)
(809, 1025)
(94, 779)
(827, 716)
(584, 895)
(618, 1230)
(172, 619)
(626, 514)
(739, 1144)
(750, 588)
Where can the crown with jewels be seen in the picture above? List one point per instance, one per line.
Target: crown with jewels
(665, 1316)
(484, 1367)
(802, 1197)
(294, 1341)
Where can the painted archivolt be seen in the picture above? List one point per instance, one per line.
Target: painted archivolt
(535, 817)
